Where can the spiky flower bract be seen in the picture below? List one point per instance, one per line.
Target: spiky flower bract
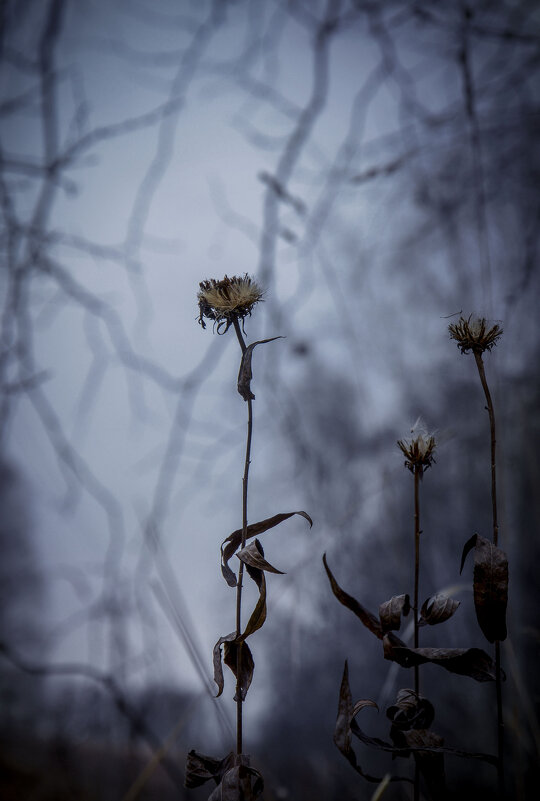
(475, 334)
(418, 450)
(226, 300)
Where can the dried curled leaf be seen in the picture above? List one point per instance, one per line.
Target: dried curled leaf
(368, 618)
(231, 645)
(247, 665)
(405, 751)
(344, 721)
(411, 711)
(391, 612)
(437, 609)
(490, 584)
(253, 555)
(258, 616)
(230, 545)
(218, 669)
(422, 743)
(240, 783)
(245, 373)
(473, 662)
(201, 768)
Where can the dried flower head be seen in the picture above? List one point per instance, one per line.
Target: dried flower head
(226, 300)
(474, 334)
(418, 450)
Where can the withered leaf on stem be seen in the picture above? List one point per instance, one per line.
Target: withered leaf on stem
(230, 545)
(256, 564)
(368, 618)
(404, 750)
(344, 720)
(411, 711)
(240, 783)
(490, 585)
(391, 612)
(437, 609)
(473, 662)
(253, 555)
(258, 616)
(230, 657)
(218, 668)
(245, 373)
(201, 768)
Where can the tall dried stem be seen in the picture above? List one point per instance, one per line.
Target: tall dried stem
(417, 476)
(245, 479)
(416, 570)
(498, 672)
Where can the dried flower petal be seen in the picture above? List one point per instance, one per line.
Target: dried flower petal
(474, 334)
(228, 299)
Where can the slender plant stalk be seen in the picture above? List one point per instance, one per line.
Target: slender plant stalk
(245, 479)
(498, 676)
(482, 373)
(417, 476)
(416, 570)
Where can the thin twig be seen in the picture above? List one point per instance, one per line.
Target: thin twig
(491, 412)
(498, 672)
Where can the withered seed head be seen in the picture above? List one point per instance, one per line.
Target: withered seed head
(474, 334)
(226, 300)
(418, 451)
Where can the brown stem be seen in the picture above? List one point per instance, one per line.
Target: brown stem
(241, 568)
(498, 672)
(416, 569)
(417, 476)
(481, 371)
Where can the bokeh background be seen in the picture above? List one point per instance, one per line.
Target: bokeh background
(376, 167)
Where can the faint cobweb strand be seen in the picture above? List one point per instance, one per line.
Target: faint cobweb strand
(241, 568)
(498, 672)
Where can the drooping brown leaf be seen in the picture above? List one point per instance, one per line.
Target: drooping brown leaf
(405, 751)
(411, 711)
(368, 618)
(490, 584)
(258, 616)
(201, 768)
(218, 669)
(473, 662)
(344, 720)
(230, 545)
(437, 609)
(256, 564)
(253, 555)
(391, 612)
(247, 665)
(245, 373)
(240, 783)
